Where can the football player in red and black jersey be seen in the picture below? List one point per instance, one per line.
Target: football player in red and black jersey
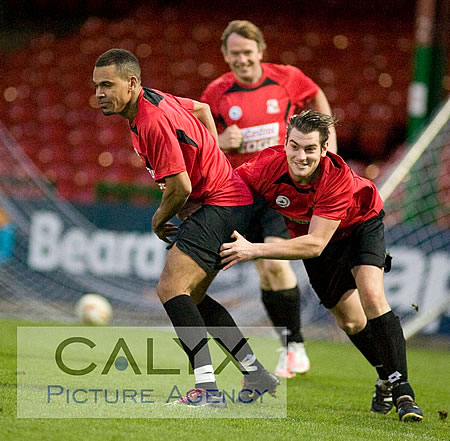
(335, 219)
(251, 105)
(175, 137)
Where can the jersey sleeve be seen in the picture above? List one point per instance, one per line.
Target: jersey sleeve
(302, 88)
(335, 197)
(211, 96)
(163, 149)
(186, 103)
(257, 172)
(248, 171)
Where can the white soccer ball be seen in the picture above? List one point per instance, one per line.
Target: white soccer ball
(94, 309)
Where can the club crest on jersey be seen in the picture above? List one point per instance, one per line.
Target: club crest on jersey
(273, 106)
(282, 201)
(235, 113)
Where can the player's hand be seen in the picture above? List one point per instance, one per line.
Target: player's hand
(241, 250)
(165, 231)
(230, 138)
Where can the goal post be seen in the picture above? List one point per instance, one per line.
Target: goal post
(416, 151)
(417, 206)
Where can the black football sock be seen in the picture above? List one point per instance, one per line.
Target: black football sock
(283, 309)
(191, 330)
(223, 328)
(364, 341)
(391, 345)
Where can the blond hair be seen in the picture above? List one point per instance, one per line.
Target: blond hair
(245, 29)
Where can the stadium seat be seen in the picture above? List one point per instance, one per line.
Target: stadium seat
(31, 147)
(21, 112)
(65, 189)
(82, 154)
(179, 53)
(93, 27)
(18, 60)
(373, 139)
(51, 153)
(52, 131)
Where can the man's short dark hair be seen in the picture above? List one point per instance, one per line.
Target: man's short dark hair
(127, 64)
(310, 121)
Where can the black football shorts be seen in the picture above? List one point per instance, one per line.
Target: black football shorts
(203, 232)
(330, 274)
(265, 222)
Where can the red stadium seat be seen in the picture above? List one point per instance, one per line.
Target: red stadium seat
(82, 154)
(373, 139)
(180, 53)
(93, 27)
(52, 131)
(51, 153)
(21, 112)
(65, 189)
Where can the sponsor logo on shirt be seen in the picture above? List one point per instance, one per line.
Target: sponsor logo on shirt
(282, 201)
(257, 138)
(235, 113)
(273, 106)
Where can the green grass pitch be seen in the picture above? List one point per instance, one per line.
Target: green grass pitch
(329, 403)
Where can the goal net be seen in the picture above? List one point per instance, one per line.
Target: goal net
(50, 254)
(417, 206)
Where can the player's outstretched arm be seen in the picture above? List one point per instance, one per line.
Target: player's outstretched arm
(304, 247)
(177, 191)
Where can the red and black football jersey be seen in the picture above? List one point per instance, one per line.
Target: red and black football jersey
(338, 193)
(261, 110)
(171, 140)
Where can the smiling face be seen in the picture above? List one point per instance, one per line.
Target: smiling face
(244, 58)
(114, 92)
(303, 153)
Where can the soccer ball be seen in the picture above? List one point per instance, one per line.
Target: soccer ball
(94, 309)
